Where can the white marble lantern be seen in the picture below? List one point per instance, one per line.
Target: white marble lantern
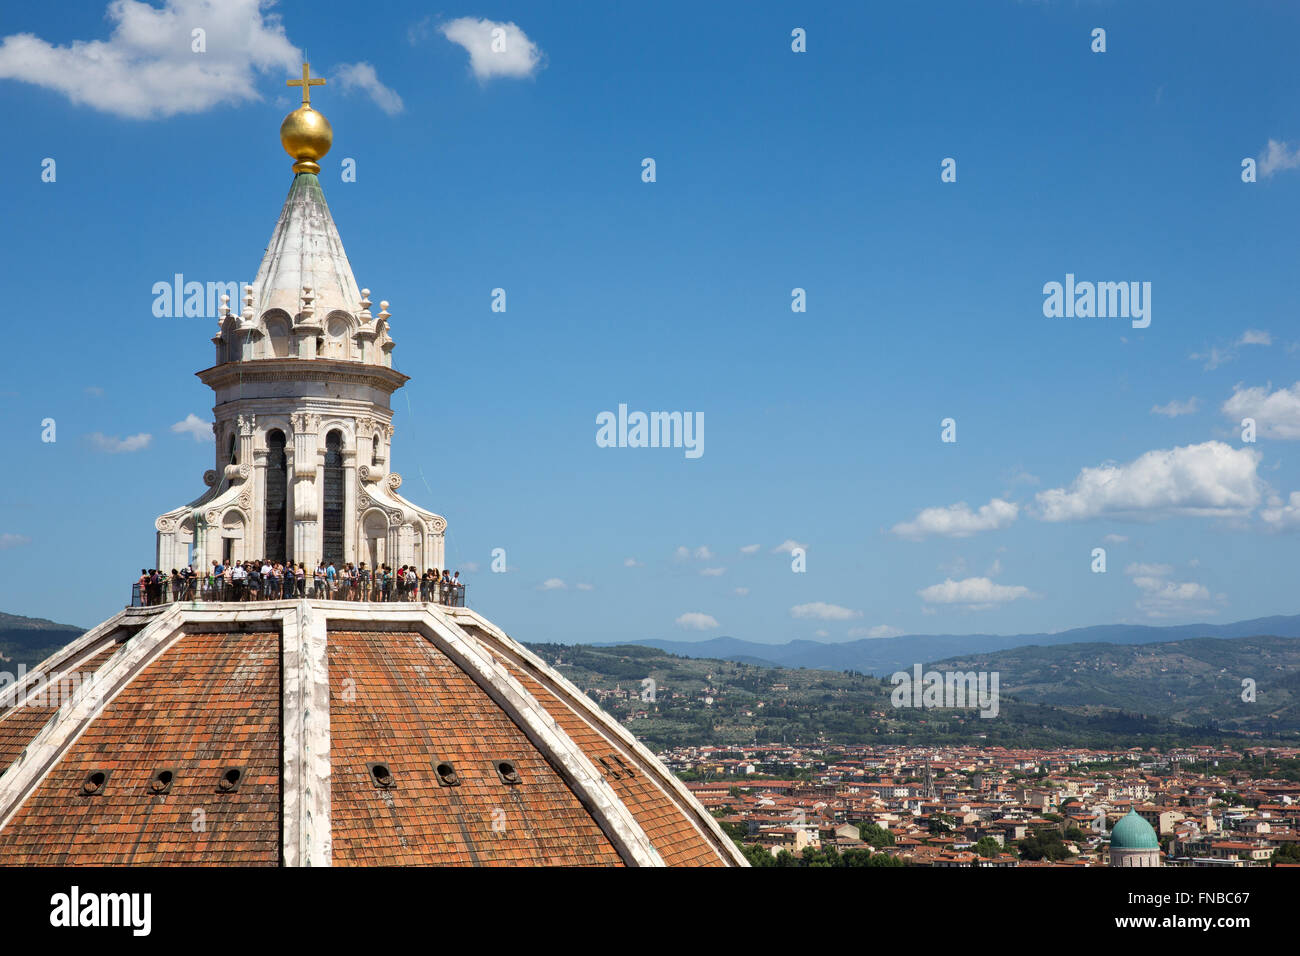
(303, 379)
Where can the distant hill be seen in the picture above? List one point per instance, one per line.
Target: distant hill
(1149, 686)
(1155, 695)
(884, 656)
(29, 640)
(1194, 682)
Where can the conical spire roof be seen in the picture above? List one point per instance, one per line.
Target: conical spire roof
(305, 251)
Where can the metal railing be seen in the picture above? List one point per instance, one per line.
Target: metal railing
(207, 589)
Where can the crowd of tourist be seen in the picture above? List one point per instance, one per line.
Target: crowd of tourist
(270, 581)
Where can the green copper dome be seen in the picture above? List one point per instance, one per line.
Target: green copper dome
(1133, 833)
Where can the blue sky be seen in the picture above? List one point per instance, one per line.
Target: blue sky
(775, 170)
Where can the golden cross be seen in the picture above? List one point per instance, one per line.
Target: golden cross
(306, 83)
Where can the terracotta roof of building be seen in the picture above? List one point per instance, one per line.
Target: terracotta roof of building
(666, 821)
(362, 735)
(19, 724)
(210, 702)
(413, 708)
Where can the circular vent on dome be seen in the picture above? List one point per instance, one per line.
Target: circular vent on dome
(507, 771)
(381, 776)
(230, 779)
(161, 781)
(95, 782)
(446, 774)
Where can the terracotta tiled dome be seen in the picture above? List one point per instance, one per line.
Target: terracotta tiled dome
(327, 733)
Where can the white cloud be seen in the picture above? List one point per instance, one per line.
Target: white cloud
(584, 587)
(1211, 479)
(695, 621)
(1213, 358)
(957, 566)
(821, 611)
(974, 593)
(1018, 476)
(113, 445)
(878, 631)
(740, 592)
(471, 566)
(1283, 516)
(632, 563)
(820, 632)
(195, 427)
(553, 584)
(958, 521)
(1149, 570)
(1115, 538)
(1276, 414)
(1255, 337)
(94, 390)
(1170, 598)
(495, 49)
(146, 69)
(788, 545)
(702, 553)
(1276, 157)
(361, 76)
(420, 30)
(1176, 408)
(750, 549)
(1160, 597)
(8, 540)
(713, 572)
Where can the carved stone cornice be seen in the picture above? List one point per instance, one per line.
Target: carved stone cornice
(323, 371)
